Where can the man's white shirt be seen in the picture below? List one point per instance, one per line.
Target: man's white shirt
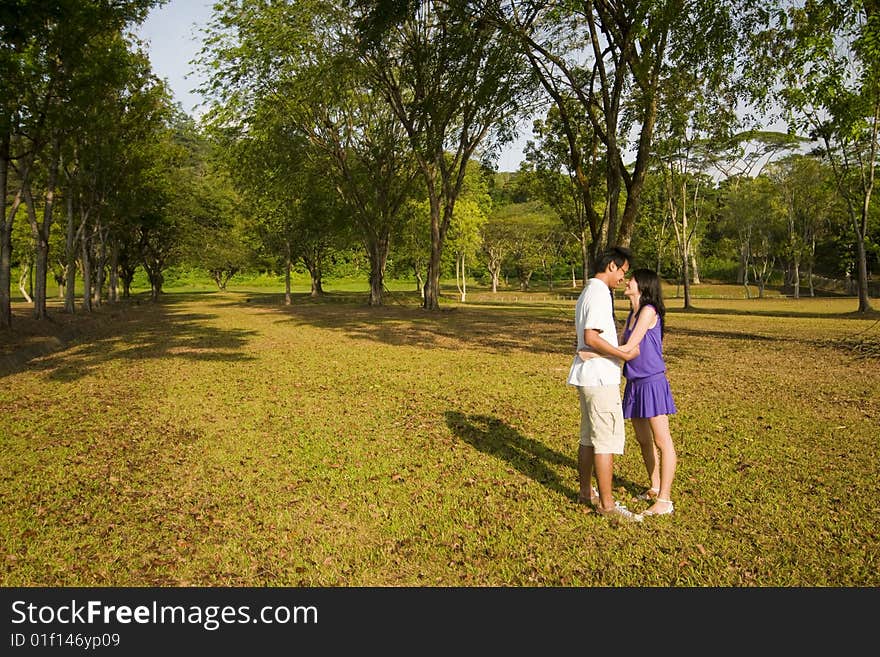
(595, 310)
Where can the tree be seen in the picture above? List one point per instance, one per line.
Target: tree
(216, 240)
(741, 157)
(472, 211)
(47, 65)
(289, 67)
(612, 58)
(654, 236)
(806, 189)
(567, 183)
(827, 53)
(456, 84)
(755, 214)
(106, 166)
(171, 203)
(497, 239)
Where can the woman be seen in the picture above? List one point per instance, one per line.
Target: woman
(647, 397)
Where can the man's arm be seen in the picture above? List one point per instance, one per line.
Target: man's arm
(597, 345)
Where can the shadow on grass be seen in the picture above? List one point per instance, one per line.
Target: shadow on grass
(402, 321)
(70, 346)
(757, 312)
(531, 457)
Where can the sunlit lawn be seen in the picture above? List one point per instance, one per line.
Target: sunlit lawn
(221, 438)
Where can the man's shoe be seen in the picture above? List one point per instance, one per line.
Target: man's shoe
(619, 513)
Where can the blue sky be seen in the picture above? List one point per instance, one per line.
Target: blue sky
(174, 39)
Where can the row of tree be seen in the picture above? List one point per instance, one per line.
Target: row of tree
(334, 122)
(390, 101)
(80, 119)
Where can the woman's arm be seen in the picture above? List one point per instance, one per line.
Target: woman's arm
(646, 319)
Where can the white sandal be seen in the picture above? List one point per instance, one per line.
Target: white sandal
(649, 495)
(668, 511)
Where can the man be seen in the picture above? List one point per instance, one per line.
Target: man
(602, 432)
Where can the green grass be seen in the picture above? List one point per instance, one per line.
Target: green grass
(226, 439)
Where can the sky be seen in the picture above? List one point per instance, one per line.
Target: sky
(173, 36)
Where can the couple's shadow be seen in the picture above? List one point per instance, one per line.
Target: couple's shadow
(531, 457)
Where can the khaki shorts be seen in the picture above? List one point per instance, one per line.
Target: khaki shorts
(602, 425)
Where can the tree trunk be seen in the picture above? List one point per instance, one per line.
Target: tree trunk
(100, 264)
(316, 275)
(156, 281)
(694, 267)
(86, 268)
(378, 253)
(41, 255)
(22, 279)
(6, 221)
(432, 284)
(585, 261)
(463, 279)
(420, 282)
(288, 265)
(686, 283)
(459, 276)
(862, 231)
(41, 230)
(70, 259)
(864, 303)
(5, 238)
(113, 290)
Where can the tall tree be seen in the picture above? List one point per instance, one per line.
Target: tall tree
(472, 211)
(805, 187)
(456, 83)
(44, 63)
(695, 115)
(613, 58)
(827, 54)
(293, 64)
(570, 184)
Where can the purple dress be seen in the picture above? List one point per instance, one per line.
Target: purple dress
(647, 392)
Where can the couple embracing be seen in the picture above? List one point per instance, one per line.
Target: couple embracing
(647, 399)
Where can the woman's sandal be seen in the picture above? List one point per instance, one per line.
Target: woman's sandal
(649, 495)
(667, 512)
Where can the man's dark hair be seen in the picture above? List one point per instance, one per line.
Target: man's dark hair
(616, 254)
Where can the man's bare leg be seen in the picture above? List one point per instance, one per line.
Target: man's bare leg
(604, 465)
(585, 473)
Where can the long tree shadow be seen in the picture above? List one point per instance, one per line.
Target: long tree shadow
(760, 312)
(498, 329)
(531, 457)
(74, 346)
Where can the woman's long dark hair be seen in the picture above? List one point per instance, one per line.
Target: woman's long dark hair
(652, 294)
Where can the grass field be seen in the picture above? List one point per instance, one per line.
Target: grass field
(226, 439)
